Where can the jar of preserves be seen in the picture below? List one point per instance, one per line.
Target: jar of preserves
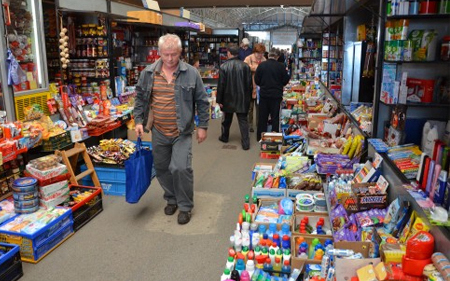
(445, 48)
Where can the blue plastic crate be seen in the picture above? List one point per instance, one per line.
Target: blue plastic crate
(113, 180)
(32, 245)
(10, 263)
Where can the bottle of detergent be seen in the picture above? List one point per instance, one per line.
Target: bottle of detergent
(271, 231)
(268, 265)
(285, 230)
(250, 268)
(226, 275)
(230, 263)
(240, 265)
(312, 247)
(235, 275)
(277, 266)
(276, 238)
(245, 276)
(286, 255)
(286, 244)
(286, 269)
(261, 230)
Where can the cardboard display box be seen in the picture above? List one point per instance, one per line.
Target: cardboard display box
(266, 202)
(297, 262)
(313, 219)
(145, 17)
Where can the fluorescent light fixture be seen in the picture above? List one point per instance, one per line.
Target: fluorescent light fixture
(37, 53)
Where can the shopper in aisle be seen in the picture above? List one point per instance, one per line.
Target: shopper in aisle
(271, 77)
(244, 50)
(234, 92)
(168, 93)
(253, 61)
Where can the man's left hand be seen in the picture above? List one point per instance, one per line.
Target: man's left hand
(201, 135)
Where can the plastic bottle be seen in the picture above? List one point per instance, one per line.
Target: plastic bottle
(277, 266)
(245, 276)
(286, 255)
(230, 263)
(235, 275)
(312, 247)
(240, 266)
(276, 238)
(340, 252)
(238, 245)
(251, 255)
(268, 265)
(271, 231)
(272, 255)
(245, 234)
(261, 230)
(225, 275)
(303, 250)
(432, 136)
(253, 236)
(276, 247)
(260, 262)
(286, 269)
(425, 131)
(318, 254)
(256, 274)
(232, 241)
(247, 202)
(295, 274)
(257, 251)
(285, 230)
(320, 231)
(286, 244)
(265, 252)
(250, 268)
(245, 252)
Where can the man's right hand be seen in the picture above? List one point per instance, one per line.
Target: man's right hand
(139, 129)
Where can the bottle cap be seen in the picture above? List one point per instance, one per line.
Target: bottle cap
(315, 241)
(264, 251)
(247, 198)
(250, 255)
(272, 252)
(265, 236)
(304, 245)
(226, 271)
(257, 249)
(275, 244)
(273, 227)
(262, 228)
(263, 243)
(287, 252)
(277, 260)
(285, 227)
(300, 239)
(230, 259)
(276, 236)
(245, 225)
(254, 226)
(255, 199)
(279, 252)
(286, 263)
(306, 219)
(245, 249)
(240, 262)
(250, 263)
(268, 260)
(231, 252)
(285, 238)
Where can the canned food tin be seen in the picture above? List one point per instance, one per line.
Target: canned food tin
(26, 204)
(25, 195)
(27, 210)
(26, 184)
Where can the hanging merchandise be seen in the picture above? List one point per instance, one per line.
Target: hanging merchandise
(16, 75)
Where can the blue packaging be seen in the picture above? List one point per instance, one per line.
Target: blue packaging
(440, 192)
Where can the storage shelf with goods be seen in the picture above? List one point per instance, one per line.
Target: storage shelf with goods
(211, 49)
(308, 56)
(332, 54)
(415, 67)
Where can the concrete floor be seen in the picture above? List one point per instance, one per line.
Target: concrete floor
(139, 242)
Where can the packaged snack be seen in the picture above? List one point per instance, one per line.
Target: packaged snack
(45, 163)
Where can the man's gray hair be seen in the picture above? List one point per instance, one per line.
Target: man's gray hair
(169, 41)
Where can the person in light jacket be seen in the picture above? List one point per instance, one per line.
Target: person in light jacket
(168, 93)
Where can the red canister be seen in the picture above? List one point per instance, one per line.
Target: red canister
(428, 7)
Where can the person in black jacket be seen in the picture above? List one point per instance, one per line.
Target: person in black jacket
(234, 92)
(271, 77)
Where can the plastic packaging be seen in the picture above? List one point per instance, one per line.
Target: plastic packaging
(340, 252)
(420, 246)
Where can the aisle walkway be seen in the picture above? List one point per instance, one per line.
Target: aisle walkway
(138, 242)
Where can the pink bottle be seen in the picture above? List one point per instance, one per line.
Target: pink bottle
(245, 276)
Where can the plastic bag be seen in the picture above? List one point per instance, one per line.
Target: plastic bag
(138, 170)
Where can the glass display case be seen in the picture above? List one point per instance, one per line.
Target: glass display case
(25, 39)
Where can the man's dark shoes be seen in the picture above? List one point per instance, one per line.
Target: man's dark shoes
(245, 147)
(222, 139)
(170, 209)
(184, 217)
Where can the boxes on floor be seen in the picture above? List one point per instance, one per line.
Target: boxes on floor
(271, 141)
(262, 167)
(268, 202)
(268, 193)
(313, 218)
(36, 245)
(296, 261)
(85, 210)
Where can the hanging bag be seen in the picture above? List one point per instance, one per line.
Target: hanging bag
(138, 169)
